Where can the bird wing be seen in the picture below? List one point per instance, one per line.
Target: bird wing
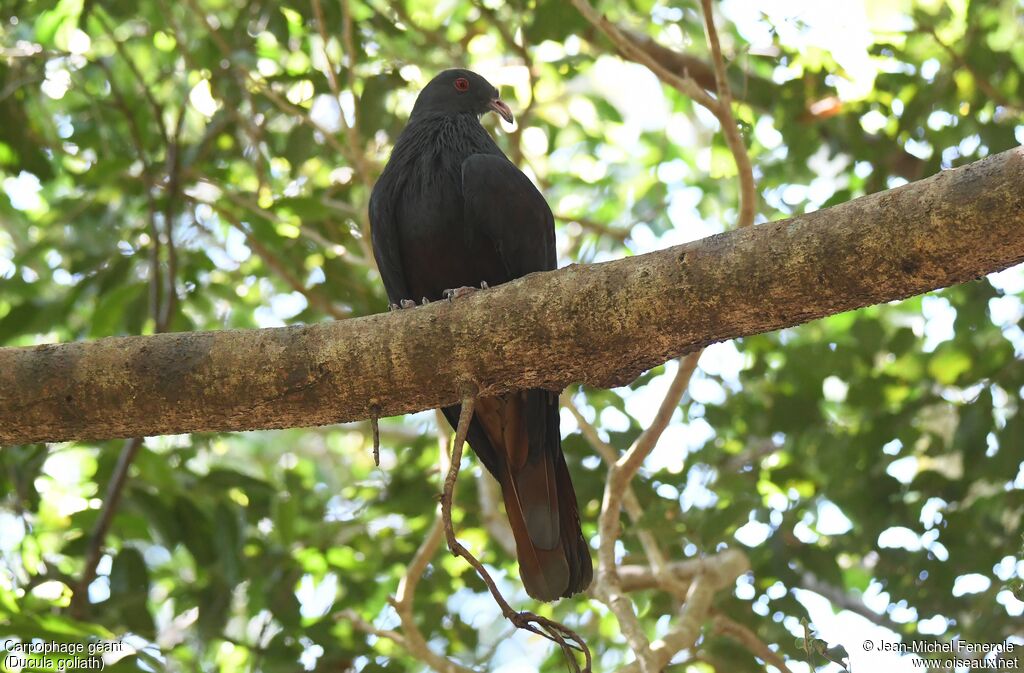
(386, 245)
(501, 203)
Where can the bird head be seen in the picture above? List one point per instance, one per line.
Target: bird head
(460, 91)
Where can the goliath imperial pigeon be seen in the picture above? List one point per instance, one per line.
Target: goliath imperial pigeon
(451, 211)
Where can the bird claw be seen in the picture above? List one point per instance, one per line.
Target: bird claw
(464, 291)
(405, 303)
(458, 292)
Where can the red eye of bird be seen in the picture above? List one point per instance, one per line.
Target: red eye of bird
(462, 84)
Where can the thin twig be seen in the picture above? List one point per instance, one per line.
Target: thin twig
(684, 633)
(748, 195)
(375, 427)
(410, 637)
(844, 600)
(706, 576)
(249, 203)
(524, 115)
(352, 130)
(628, 465)
(354, 153)
(728, 564)
(403, 601)
(173, 192)
(262, 86)
(148, 179)
(680, 63)
(698, 592)
(360, 623)
(332, 76)
(566, 638)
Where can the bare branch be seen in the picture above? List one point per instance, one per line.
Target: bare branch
(360, 163)
(607, 586)
(332, 76)
(158, 112)
(638, 578)
(354, 153)
(709, 575)
(698, 593)
(630, 462)
(111, 500)
(280, 268)
(749, 640)
(618, 233)
(172, 193)
(410, 637)
(680, 63)
(524, 115)
(363, 625)
(844, 600)
(630, 503)
(685, 84)
(403, 602)
(247, 78)
(748, 195)
(250, 204)
(629, 49)
(979, 80)
(619, 476)
(161, 305)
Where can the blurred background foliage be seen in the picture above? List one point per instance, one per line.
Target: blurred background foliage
(206, 164)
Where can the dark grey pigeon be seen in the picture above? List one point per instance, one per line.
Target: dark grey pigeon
(451, 211)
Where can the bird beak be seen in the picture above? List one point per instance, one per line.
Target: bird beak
(502, 109)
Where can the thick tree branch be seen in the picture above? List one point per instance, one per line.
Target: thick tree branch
(601, 324)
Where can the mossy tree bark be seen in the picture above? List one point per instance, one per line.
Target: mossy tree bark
(600, 324)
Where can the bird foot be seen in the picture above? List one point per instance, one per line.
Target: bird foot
(405, 303)
(464, 291)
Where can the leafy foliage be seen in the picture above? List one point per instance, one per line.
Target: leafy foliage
(205, 164)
